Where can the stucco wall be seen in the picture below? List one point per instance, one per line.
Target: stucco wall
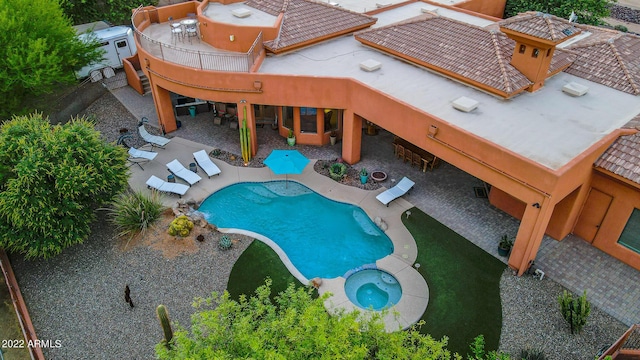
(626, 197)
(493, 8)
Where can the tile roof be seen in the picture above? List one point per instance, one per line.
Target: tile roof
(610, 60)
(541, 25)
(623, 158)
(473, 53)
(307, 20)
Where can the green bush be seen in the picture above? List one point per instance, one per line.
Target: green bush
(180, 226)
(135, 212)
(575, 311)
(532, 354)
(621, 28)
(52, 179)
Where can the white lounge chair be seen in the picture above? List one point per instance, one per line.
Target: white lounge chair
(140, 156)
(153, 140)
(401, 188)
(164, 186)
(205, 163)
(177, 169)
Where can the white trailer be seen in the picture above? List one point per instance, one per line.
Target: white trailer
(116, 41)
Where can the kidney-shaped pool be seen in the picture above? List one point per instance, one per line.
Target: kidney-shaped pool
(321, 237)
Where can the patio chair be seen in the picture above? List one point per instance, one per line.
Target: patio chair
(155, 182)
(177, 169)
(401, 188)
(205, 163)
(140, 156)
(153, 140)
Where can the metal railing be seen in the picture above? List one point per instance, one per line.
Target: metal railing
(204, 60)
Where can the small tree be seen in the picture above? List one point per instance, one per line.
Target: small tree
(294, 326)
(588, 11)
(575, 311)
(52, 178)
(39, 50)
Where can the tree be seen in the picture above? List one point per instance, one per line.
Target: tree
(39, 50)
(52, 178)
(114, 11)
(293, 326)
(588, 11)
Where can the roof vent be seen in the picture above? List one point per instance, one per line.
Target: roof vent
(382, 4)
(370, 65)
(575, 89)
(426, 10)
(465, 104)
(241, 12)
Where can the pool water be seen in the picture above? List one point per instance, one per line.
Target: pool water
(373, 289)
(321, 237)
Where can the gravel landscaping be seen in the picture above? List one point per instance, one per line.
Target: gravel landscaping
(78, 296)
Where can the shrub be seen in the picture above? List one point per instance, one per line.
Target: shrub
(575, 311)
(180, 226)
(52, 179)
(532, 354)
(621, 28)
(135, 212)
(337, 171)
(224, 243)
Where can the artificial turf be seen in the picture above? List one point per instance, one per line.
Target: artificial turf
(463, 280)
(464, 284)
(255, 264)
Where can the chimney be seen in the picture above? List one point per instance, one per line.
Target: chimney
(536, 36)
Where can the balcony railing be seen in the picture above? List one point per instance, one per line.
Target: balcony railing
(204, 60)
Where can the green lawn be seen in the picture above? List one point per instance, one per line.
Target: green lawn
(464, 284)
(464, 294)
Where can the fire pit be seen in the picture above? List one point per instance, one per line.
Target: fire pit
(378, 176)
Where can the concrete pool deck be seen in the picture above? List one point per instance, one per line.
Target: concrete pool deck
(400, 264)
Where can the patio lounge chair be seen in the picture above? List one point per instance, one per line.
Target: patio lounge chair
(161, 185)
(401, 188)
(153, 140)
(140, 156)
(177, 169)
(205, 163)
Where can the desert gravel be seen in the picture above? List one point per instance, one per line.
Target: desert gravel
(78, 297)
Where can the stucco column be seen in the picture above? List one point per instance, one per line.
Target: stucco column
(532, 228)
(351, 137)
(164, 109)
(245, 111)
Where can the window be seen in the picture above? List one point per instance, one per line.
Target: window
(308, 122)
(630, 236)
(332, 118)
(535, 53)
(548, 52)
(523, 48)
(287, 117)
(121, 44)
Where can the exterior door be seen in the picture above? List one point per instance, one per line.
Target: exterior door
(593, 213)
(123, 49)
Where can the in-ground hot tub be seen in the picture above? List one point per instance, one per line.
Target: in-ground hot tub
(373, 289)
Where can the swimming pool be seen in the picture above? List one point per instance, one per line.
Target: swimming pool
(321, 237)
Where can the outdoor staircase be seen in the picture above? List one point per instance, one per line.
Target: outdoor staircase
(146, 86)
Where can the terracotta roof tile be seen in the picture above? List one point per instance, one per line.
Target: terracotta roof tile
(472, 52)
(541, 25)
(306, 20)
(623, 156)
(612, 61)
